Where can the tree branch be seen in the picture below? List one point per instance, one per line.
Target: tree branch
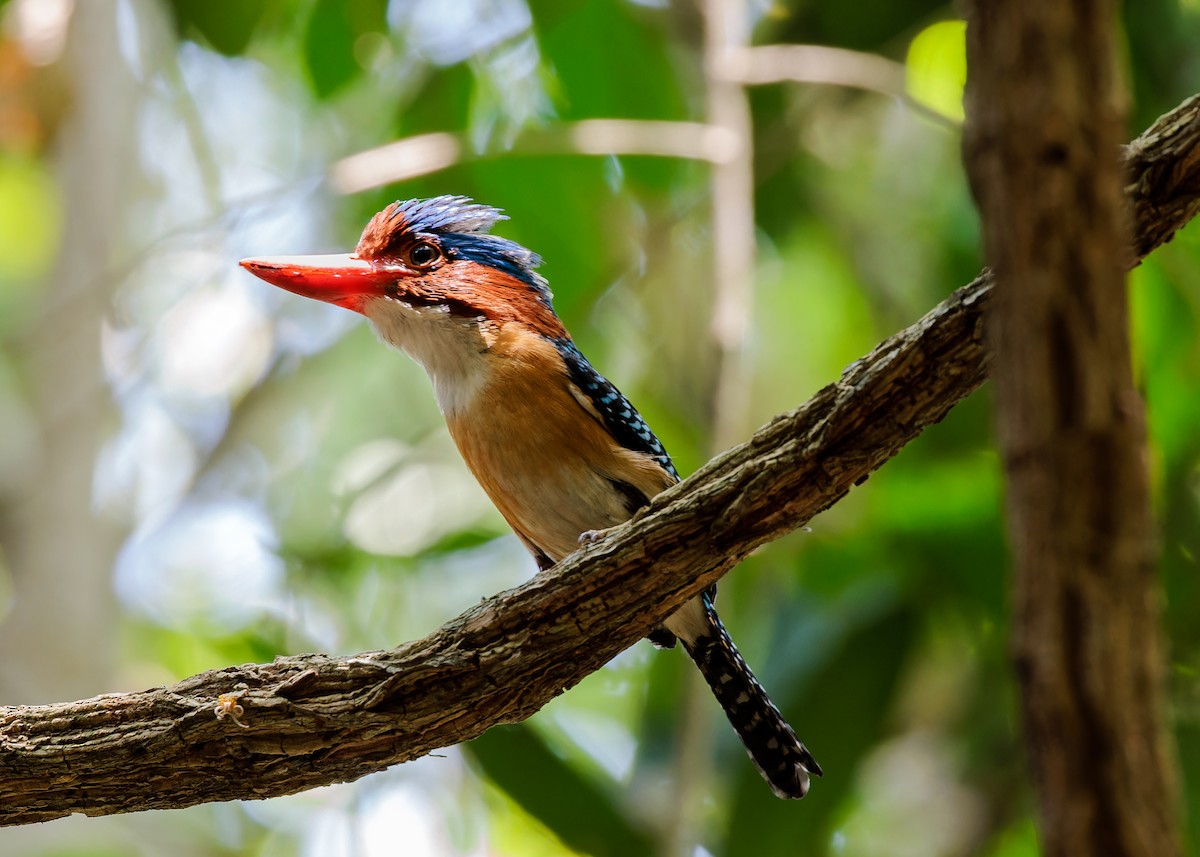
(312, 720)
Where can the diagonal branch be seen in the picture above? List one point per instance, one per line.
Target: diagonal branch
(312, 720)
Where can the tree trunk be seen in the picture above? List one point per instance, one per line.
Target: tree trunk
(1044, 128)
(60, 551)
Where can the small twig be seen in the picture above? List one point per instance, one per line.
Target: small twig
(823, 65)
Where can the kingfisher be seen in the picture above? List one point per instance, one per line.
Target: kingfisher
(557, 448)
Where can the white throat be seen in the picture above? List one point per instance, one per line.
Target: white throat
(451, 349)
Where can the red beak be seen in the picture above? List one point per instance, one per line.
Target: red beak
(338, 279)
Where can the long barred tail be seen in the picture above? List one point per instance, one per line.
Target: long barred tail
(782, 760)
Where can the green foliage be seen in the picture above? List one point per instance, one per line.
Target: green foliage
(579, 40)
(226, 25)
(937, 67)
(845, 703)
(334, 31)
(882, 633)
(875, 25)
(30, 225)
(585, 816)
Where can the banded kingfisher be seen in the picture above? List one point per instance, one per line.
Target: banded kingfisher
(558, 449)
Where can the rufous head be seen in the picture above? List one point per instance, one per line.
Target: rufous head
(433, 253)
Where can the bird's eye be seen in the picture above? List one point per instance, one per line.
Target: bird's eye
(423, 254)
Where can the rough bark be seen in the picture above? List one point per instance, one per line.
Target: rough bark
(1044, 127)
(312, 720)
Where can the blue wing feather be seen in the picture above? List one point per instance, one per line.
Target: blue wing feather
(620, 417)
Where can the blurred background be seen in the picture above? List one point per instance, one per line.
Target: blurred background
(198, 470)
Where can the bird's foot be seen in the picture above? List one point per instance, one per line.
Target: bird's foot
(590, 537)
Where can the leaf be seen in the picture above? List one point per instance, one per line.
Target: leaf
(578, 810)
(329, 48)
(1188, 737)
(937, 67)
(443, 103)
(841, 713)
(227, 25)
(640, 84)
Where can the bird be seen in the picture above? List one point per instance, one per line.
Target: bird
(557, 448)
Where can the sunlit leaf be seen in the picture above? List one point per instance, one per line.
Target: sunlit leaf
(1019, 840)
(30, 224)
(937, 67)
